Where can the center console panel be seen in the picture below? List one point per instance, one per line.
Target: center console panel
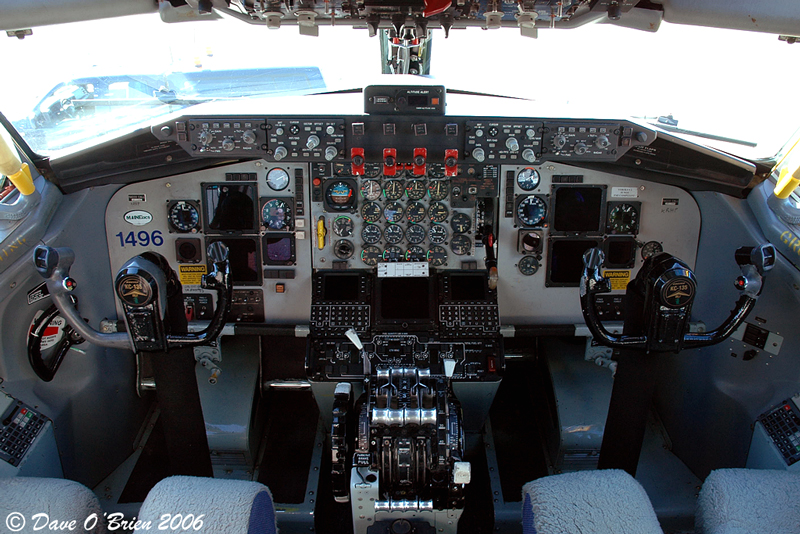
(398, 349)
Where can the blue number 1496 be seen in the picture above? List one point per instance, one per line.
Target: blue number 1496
(141, 238)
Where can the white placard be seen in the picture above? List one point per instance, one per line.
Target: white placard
(624, 192)
(402, 270)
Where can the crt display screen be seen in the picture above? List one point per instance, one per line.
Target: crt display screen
(566, 260)
(467, 287)
(578, 209)
(405, 299)
(230, 208)
(244, 260)
(340, 288)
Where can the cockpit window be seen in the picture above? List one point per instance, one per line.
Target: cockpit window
(84, 81)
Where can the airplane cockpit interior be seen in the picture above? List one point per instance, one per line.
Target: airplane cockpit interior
(289, 266)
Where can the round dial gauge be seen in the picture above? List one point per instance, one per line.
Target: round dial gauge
(531, 211)
(393, 253)
(340, 195)
(393, 212)
(461, 245)
(371, 212)
(651, 248)
(528, 179)
(415, 234)
(437, 189)
(438, 212)
(371, 190)
(622, 219)
(393, 189)
(460, 223)
(415, 189)
(436, 170)
(183, 217)
(276, 214)
(415, 253)
(343, 226)
(437, 234)
(278, 179)
(370, 255)
(528, 265)
(393, 234)
(371, 234)
(415, 212)
(344, 249)
(437, 256)
(371, 170)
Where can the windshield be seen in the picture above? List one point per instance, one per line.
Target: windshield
(80, 82)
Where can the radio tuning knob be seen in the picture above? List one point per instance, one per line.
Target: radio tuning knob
(249, 137)
(331, 153)
(206, 137)
(512, 144)
(602, 142)
(529, 155)
(312, 142)
(228, 144)
(479, 154)
(281, 152)
(530, 133)
(580, 149)
(560, 141)
(330, 130)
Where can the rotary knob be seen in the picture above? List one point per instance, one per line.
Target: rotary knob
(249, 137)
(331, 153)
(529, 155)
(560, 141)
(530, 133)
(228, 144)
(602, 142)
(206, 137)
(312, 142)
(281, 153)
(330, 130)
(512, 144)
(479, 154)
(580, 149)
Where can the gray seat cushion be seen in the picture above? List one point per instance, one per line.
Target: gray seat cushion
(588, 502)
(58, 499)
(744, 501)
(229, 506)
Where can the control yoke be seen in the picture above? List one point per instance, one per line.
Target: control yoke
(660, 299)
(143, 285)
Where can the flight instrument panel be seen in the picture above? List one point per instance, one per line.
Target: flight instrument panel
(401, 197)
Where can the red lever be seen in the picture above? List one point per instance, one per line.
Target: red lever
(420, 155)
(357, 161)
(434, 7)
(450, 162)
(389, 161)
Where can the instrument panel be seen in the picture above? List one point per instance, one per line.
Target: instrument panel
(413, 196)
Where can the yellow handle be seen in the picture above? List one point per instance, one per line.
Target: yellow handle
(23, 180)
(18, 173)
(321, 233)
(787, 182)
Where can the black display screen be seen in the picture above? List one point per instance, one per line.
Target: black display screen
(620, 252)
(230, 208)
(278, 249)
(578, 209)
(341, 288)
(405, 299)
(467, 287)
(244, 260)
(417, 100)
(566, 260)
